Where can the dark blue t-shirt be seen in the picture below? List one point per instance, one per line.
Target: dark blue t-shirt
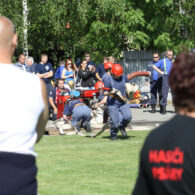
(100, 70)
(43, 68)
(118, 84)
(154, 74)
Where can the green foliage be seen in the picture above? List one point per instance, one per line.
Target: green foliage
(163, 42)
(103, 27)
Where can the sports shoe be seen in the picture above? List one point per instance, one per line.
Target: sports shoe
(113, 137)
(87, 127)
(153, 108)
(77, 127)
(123, 131)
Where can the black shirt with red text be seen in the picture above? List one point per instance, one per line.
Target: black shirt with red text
(167, 161)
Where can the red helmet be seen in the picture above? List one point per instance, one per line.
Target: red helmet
(108, 65)
(117, 70)
(99, 85)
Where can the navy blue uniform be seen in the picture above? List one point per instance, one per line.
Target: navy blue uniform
(155, 84)
(79, 111)
(44, 68)
(119, 111)
(165, 65)
(100, 70)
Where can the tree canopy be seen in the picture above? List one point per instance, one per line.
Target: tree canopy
(103, 27)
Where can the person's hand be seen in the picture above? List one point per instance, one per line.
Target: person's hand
(162, 73)
(95, 106)
(106, 93)
(113, 91)
(90, 67)
(147, 83)
(65, 117)
(93, 68)
(55, 111)
(71, 75)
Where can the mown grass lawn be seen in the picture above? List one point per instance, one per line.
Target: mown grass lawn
(73, 165)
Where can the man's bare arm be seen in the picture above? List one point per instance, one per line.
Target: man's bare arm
(49, 74)
(44, 115)
(41, 75)
(97, 76)
(158, 70)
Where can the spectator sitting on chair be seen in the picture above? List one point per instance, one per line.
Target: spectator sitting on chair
(53, 97)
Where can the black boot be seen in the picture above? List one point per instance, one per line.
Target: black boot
(163, 110)
(153, 106)
(123, 131)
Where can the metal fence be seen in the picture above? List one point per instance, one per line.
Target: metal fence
(137, 61)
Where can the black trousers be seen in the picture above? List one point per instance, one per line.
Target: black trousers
(17, 174)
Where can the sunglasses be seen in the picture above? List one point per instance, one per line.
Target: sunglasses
(155, 57)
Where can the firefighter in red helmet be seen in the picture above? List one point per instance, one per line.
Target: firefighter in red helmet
(119, 111)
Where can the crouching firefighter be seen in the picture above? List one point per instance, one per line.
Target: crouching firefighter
(80, 113)
(119, 110)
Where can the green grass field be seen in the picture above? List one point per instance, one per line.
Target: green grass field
(73, 165)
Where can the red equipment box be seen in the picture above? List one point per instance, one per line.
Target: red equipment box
(89, 93)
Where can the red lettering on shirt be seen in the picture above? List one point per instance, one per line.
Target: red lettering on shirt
(167, 157)
(167, 173)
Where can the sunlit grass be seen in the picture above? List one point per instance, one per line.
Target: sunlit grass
(69, 165)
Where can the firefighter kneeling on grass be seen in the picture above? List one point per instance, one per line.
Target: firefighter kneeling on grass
(80, 113)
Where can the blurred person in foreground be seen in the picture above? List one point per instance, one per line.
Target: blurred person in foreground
(23, 119)
(167, 164)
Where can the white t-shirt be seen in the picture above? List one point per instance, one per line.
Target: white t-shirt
(21, 104)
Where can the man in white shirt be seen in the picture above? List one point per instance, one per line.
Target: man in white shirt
(17, 157)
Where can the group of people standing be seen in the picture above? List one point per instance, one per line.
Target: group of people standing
(159, 85)
(167, 160)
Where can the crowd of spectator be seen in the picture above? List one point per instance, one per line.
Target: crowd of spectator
(84, 73)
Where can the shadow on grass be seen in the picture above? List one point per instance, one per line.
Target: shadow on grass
(158, 111)
(119, 137)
